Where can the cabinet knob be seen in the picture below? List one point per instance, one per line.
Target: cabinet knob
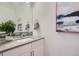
(32, 53)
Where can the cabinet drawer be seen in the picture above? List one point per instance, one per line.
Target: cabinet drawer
(19, 51)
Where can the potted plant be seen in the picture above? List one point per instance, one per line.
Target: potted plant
(8, 27)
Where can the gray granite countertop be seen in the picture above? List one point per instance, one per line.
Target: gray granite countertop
(13, 44)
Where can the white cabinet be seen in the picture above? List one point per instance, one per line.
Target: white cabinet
(38, 48)
(24, 50)
(0, 54)
(32, 49)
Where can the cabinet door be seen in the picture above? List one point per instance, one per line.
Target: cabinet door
(24, 50)
(0, 54)
(38, 48)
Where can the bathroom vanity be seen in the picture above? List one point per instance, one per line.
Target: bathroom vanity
(19, 19)
(23, 47)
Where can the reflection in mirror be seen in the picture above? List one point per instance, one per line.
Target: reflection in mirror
(19, 27)
(18, 12)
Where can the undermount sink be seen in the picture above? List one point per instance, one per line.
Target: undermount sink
(7, 40)
(15, 39)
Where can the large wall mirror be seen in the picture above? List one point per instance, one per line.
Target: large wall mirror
(18, 12)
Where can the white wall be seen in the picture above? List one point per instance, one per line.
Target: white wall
(57, 44)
